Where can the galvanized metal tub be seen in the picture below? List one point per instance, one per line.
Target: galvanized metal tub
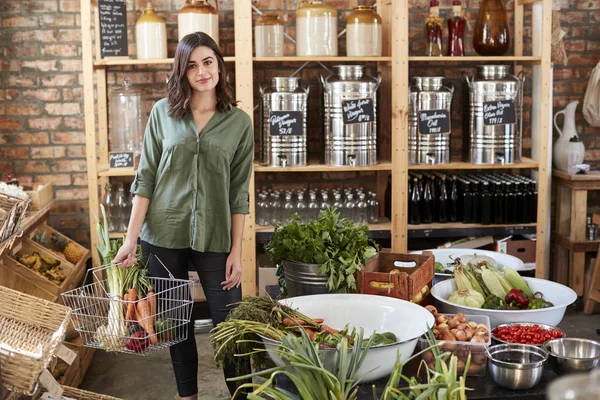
(301, 279)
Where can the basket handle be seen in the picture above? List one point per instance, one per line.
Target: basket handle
(109, 265)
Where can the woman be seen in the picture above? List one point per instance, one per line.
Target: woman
(191, 190)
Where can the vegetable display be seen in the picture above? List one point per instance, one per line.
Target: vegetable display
(47, 267)
(526, 334)
(338, 245)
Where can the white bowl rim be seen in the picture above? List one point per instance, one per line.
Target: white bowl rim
(555, 307)
(546, 347)
(482, 252)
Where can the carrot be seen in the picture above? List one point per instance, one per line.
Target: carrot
(329, 329)
(291, 322)
(145, 320)
(318, 320)
(152, 300)
(312, 334)
(131, 297)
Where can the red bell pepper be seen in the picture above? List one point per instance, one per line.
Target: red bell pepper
(138, 341)
(517, 298)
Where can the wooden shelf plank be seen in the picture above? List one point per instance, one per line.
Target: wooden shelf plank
(578, 247)
(453, 229)
(443, 59)
(321, 58)
(526, 163)
(317, 167)
(104, 170)
(383, 225)
(135, 61)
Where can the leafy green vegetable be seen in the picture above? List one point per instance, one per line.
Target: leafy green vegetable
(439, 268)
(340, 246)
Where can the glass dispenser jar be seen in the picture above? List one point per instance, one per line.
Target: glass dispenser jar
(199, 16)
(268, 36)
(316, 29)
(127, 120)
(363, 33)
(491, 36)
(150, 35)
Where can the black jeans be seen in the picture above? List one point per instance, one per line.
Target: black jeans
(211, 269)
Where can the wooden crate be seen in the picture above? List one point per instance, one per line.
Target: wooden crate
(23, 278)
(381, 277)
(41, 197)
(85, 253)
(75, 373)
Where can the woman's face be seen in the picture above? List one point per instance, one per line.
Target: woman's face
(203, 69)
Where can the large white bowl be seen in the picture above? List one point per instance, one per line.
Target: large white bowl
(408, 321)
(560, 295)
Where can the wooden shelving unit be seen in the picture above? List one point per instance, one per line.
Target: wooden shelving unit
(394, 69)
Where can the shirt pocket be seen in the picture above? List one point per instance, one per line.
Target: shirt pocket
(215, 158)
(178, 153)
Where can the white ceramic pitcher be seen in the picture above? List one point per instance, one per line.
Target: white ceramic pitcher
(567, 152)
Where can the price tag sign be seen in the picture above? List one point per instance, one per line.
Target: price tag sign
(285, 123)
(48, 381)
(499, 112)
(65, 354)
(358, 111)
(121, 159)
(434, 122)
(113, 28)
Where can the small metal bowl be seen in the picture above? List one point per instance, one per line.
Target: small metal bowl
(543, 326)
(516, 366)
(572, 354)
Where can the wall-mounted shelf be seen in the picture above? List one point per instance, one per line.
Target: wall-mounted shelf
(105, 171)
(465, 59)
(526, 163)
(458, 229)
(321, 59)
(318, 167)
(134, 61)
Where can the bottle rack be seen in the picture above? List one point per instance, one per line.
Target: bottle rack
(394, 68)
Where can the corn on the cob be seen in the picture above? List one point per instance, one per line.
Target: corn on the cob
(517, 281)
(492, 283)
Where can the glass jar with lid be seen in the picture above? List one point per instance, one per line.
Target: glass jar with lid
(363, 33)
(268, 36)
(316, 29)
(127, 119)
(150, 35)
(199, 16)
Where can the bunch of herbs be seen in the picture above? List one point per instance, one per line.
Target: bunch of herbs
(338, 245)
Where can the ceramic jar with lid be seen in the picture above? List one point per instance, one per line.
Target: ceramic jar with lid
(150, 35)
(316, 29)
(268, 36)
(199, 16)
(363, 33)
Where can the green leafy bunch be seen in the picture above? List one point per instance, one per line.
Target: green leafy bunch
(340, 246)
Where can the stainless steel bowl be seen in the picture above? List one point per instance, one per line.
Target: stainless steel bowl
(543, 326)
(572, 354)
(516, 366)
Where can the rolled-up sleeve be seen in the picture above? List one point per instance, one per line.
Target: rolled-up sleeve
(145, 177)
(241, 170)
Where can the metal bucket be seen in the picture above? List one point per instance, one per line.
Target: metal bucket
(302, 279)
(350, 117)
(283, 123)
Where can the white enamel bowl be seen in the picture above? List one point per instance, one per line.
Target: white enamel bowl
(560, 295)
(408, 321)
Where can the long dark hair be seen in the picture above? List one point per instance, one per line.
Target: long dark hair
(180, 92)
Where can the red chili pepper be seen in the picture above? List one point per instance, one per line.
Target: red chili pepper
(517, 298)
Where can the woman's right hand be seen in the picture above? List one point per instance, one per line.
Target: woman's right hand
(126, 255)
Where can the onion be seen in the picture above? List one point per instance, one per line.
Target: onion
(441, 319)
(478, 358)
(482, 328)
(478, 338)
(461, 317)
(460, 335)
(453, 322)
(436, 333)
(432, 310)
(469, 332)
(443, 327)
(462, 326)
(428, 356)
(447, 335)
(473, 325)
(460, 366)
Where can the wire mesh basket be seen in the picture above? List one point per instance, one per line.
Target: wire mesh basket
(101, 318)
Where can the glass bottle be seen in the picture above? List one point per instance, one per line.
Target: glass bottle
(520, 202)
(433, 30)
(325, 204)
(338, 204)
(499, 203)
(109, 207)
(260, 209)
(301, 207)
(443, 201)
(467, 204)
(387, 207)
(476, 203)
(486, 204)
(415, 204)
(362, 210)
(491, 36)
(121, 203)
(456, 31)
(373, 209)
(275, 206)
(427, 215)
(313, 207)
(509, 204)
(350, 207)
(534, 200)
(288, 206)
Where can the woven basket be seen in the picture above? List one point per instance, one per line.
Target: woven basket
(79, 394)
(14, 211)
(30, 331)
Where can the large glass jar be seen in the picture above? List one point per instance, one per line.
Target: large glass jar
(316, 29)
(363, 33)
(150, 35)
(127, 119)
(491, 36)
(268, 36)
(199, 16)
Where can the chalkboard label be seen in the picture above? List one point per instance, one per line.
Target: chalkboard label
(121, 159)
(358, 111)
(113, 28)
(285, 123)
(434, 122)
(499, 112)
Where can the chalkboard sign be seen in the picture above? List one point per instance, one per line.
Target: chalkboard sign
(434, 122)
(285, 123)
(113, 28)
(358, 111)
(499, 112)
(121, 159)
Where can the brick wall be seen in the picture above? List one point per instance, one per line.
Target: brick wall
(41, 108)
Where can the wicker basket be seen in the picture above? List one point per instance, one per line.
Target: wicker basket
(79, 394)
(12, 214)
(30, 331)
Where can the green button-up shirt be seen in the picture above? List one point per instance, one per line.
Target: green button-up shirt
(195, 180)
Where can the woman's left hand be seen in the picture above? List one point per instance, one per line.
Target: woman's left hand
(233, 271)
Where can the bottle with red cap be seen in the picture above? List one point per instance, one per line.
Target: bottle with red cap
(456, 31)
(433, 30)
